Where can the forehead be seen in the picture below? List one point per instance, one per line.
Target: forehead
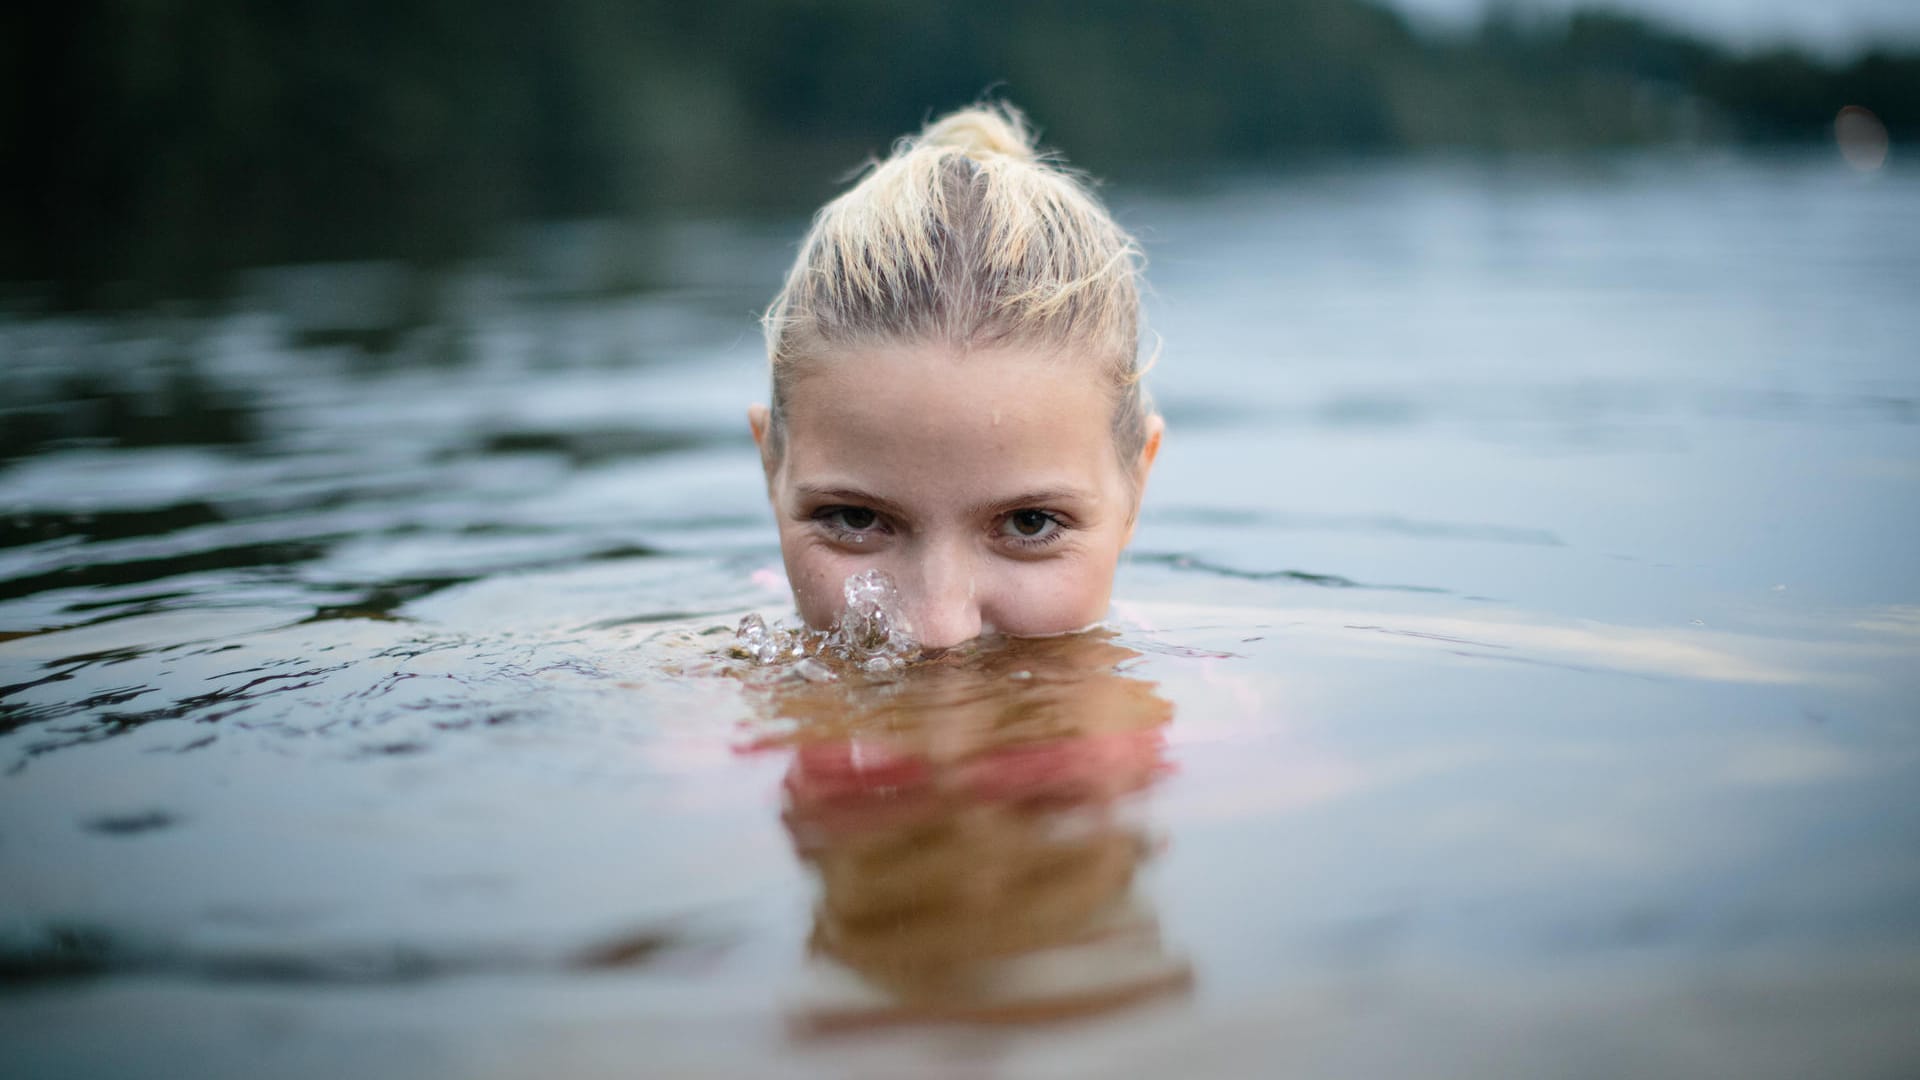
(967, 419)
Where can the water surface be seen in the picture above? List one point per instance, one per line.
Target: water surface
(1516, 672)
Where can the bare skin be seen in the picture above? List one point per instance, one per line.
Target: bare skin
(984, 482)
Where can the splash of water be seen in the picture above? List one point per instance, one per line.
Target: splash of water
(871, 624)
(871, 633)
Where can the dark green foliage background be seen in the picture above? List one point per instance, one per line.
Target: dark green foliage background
(168, 141)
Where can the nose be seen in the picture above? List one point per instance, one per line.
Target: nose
(941, 598)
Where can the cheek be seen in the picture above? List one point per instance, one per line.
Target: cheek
(1051, 596)
(817, 574)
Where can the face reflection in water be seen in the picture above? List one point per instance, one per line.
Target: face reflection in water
(968, 825)
(985, 483)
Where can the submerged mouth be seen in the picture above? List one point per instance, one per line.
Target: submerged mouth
(870, 632)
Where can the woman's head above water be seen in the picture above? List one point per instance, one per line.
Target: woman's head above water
(956, 389)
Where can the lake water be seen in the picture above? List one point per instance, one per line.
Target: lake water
(1516, 673)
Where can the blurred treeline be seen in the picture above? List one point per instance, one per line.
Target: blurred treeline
(169, 140)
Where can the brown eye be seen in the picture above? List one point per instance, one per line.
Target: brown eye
(1029, 522)
(1030, 528)
(857, 518)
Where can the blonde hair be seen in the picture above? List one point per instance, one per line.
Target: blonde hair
(967, 236)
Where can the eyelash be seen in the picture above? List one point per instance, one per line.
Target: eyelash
(831, 518)
(1057, 529)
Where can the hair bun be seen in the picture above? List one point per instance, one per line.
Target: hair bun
(979, 130)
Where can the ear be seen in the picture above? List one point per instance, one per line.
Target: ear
(1149, 450)
(760, 420)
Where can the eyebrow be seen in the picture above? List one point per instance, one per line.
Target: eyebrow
(830, 493)
(1040, 498)
(1043, 497)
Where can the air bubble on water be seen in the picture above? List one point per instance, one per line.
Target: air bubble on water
(751, 638)
(813, 671)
